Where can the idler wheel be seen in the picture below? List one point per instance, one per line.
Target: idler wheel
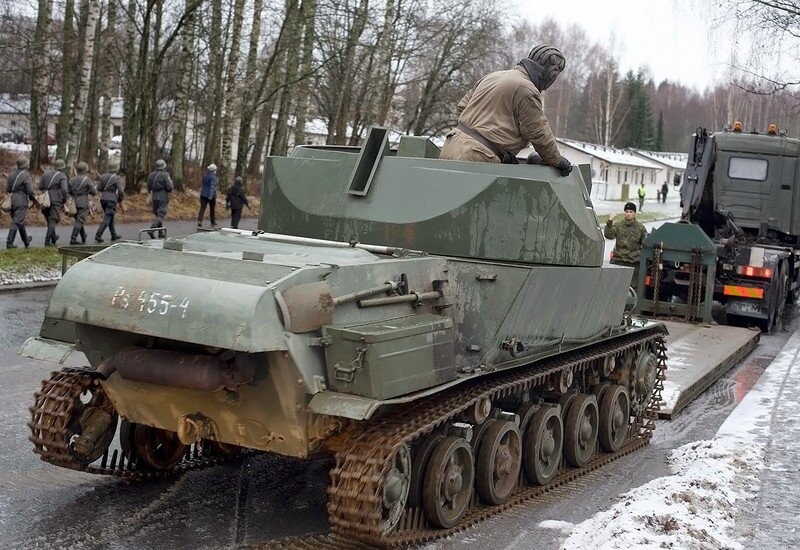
(643, 380)
(498, 462)
(580, 430)
(543, 444)
(448, 482)
(615, 414)
(92, 427)
(396, 486)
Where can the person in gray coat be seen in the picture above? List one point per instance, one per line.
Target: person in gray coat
(55, 182)
(80, 187)
(110, 187)
(160, 185)
(20, 185)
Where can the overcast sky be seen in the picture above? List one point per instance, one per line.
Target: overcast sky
(672, 37)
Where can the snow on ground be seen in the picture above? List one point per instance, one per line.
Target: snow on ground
(33, 276)
(698, 506)
(25, 148)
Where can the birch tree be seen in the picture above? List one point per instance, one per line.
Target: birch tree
(231, 90)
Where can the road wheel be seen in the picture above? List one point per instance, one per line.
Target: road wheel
(498, 462)
(615, 414)
(580, 430)
(543, 445)
(448, 482)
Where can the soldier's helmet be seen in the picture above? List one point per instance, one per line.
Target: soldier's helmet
(59, 164)
(82, 167)
(160, 164)
(113, 166)
(22, 162)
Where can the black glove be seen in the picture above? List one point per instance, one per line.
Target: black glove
(534, 158)
(564, 166)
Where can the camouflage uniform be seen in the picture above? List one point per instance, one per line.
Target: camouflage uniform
(506, 108)
(630, 235)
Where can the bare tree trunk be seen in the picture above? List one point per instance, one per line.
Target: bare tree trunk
(385, 47)
(182, 95)
(338, 133)
(248, 95)
(88, 138)
(108, 84)
(230, 91)
(309, 15)
(262, 136)
(216, 60)
(39, 87)
(281, 140)
(67, 74)
(76, 127)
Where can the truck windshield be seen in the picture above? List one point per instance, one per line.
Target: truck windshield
(747, 169)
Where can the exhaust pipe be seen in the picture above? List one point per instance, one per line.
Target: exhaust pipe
(179, 370)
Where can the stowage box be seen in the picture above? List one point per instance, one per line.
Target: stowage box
(389, 358)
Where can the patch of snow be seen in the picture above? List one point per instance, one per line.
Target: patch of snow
(556, 525)
(692, 509)
(33, 276)
(697, 506)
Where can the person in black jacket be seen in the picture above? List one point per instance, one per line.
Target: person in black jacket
(55, 182)
(110, 187)
(235, 199)
(20, 185)
(160, 185)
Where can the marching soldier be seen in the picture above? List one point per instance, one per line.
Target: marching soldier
(20, 186)
(80, 187)
(160, 185)
(110, 187)
(54, 181)
(630, 235)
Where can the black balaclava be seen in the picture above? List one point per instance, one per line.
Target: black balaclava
(543, 64)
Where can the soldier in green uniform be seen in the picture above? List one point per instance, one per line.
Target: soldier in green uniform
(630, 234)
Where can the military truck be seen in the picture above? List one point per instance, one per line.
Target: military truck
(741, 193)
(446, 330)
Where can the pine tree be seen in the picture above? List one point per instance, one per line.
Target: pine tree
(640, 120)
(659, 144)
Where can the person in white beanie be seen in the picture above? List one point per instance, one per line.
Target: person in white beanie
(208, 196)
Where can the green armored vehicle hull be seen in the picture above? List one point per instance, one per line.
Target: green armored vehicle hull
(476, 344)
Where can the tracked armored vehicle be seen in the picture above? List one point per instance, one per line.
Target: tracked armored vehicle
(473, 354)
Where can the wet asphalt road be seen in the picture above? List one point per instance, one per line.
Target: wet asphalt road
(264, 498)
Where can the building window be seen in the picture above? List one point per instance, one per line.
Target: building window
(626, 176)
(13, 123)
(117, 130)
(619, 175)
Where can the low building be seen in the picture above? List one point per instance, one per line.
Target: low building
(671, 164)
(616, 173)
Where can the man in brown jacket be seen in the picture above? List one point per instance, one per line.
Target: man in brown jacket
(503, 112)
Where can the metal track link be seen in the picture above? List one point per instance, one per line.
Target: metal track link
(54, 410)
(357, 478)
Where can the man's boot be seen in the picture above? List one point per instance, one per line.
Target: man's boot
(73, 239)
(12, 234)
(83, 235)
(26, 239)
